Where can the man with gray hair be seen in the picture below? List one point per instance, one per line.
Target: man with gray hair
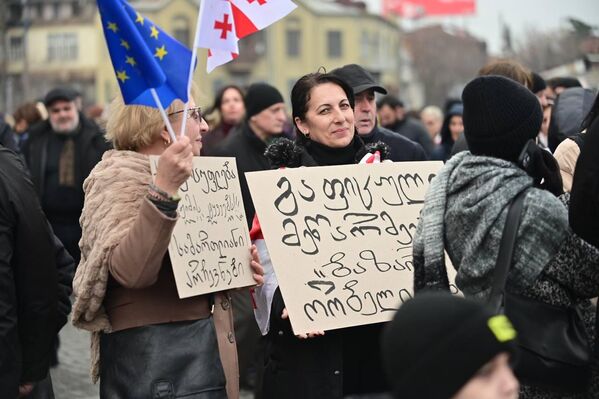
(365, 112)
(60, 153)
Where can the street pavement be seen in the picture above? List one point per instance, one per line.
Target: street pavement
(71, 378)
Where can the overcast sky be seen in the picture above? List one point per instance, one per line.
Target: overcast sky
(518, 14)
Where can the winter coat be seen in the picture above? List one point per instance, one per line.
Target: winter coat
(566, 154)
(567, 114)
(35, 280)
(248, 150)
(464, 213)
(584, 206)
(63, 206)
(342, 362)
(90, 144)
(118, 221)
(415, 131)
(400, 147)
(7, 137)
(212, 139)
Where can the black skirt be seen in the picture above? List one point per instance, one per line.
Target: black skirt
(171, 360)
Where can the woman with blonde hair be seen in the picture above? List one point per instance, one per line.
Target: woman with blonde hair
(146, 342)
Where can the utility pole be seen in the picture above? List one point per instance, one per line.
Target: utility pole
(26, 21)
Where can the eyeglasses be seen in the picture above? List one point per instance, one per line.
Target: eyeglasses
(195, 113)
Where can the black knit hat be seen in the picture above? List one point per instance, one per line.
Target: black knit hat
(500, 116)
(437, 342)
(259, 97)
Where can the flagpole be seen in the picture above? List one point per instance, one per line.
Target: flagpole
(164, 116)
(194, 56)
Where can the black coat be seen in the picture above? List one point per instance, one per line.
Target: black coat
(248, 150)
(415, 131)
(90, 145)
(7, 138)
(63, 205)
(400, 147)
(584, 197)
(342, 362)
(35, 280)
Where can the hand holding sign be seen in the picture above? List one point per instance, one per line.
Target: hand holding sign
(174, 166)
(210, 246)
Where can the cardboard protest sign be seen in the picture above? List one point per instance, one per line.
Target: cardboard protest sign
(340, 238)
(209, 248)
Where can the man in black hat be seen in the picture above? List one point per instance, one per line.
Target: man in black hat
(60, 153)
(365, 111)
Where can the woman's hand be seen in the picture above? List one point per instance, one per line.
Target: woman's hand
(25, 389)
(174, 166)
(312, 334)
(257, 268)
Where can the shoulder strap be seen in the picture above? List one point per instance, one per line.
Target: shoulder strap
(506, 251)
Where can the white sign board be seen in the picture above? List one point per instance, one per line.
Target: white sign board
(340, 238)
(210, 245)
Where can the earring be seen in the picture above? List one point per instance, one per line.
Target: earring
(167, 142)
(307, 134)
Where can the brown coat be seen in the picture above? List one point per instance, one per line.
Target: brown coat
(124, 281)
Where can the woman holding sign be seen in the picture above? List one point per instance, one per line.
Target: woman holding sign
(341, 362)
(147, 342)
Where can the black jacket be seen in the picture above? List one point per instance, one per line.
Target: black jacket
(35, 280)
(342, 362)
(415, 131)
(248, 150)
(567, 114)
(90, 144)
(400, 147)
(7, 138)
(584, 197)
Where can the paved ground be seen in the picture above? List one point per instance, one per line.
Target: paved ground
(71, 378)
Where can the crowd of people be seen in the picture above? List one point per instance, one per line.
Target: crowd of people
(81, 214)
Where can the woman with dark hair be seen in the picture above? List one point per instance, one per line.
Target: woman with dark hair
(341, 362)
(451, 130)
(228, 104)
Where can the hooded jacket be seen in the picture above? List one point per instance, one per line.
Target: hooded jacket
(567, 114)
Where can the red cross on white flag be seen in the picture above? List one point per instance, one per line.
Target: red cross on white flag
(217, 30)
(224, 22)
(260, 13)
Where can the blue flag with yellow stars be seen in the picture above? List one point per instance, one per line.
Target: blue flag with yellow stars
(143, 56)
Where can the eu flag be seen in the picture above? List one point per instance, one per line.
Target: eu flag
(143, 56)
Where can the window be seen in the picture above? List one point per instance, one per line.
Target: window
(15, 48)
(364, 45)
(293, 37)
(181, 30)
(75, 8)
(334, 42)
(62, 46)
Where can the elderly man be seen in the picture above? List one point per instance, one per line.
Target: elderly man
(60, 153)
(365, 111)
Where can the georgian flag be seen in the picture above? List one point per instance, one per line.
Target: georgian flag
(224, 22)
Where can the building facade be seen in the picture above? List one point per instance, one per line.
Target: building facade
(60, 42)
